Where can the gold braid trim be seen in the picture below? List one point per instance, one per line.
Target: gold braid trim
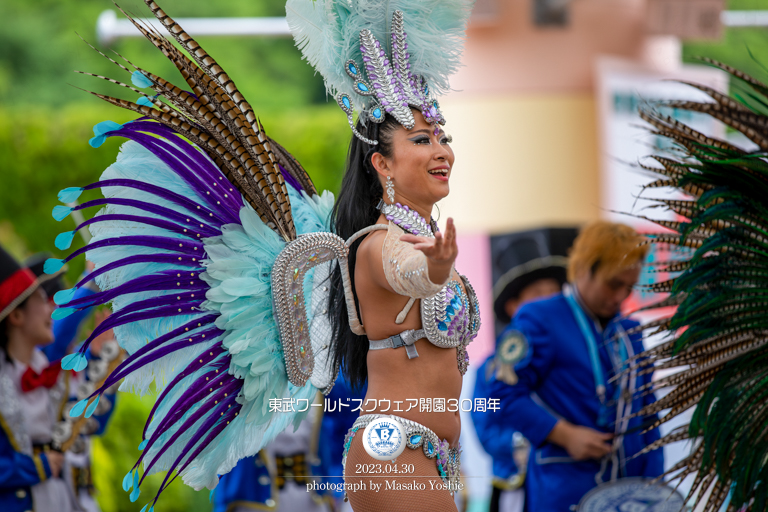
(40, 468)
(9, 433)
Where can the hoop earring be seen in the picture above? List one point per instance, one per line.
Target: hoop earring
(438, 212)
(390, 190)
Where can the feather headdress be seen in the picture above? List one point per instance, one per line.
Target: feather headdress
(343, 38)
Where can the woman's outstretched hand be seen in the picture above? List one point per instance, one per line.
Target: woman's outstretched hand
(441, 251)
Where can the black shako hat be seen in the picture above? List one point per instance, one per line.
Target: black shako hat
(525, 257)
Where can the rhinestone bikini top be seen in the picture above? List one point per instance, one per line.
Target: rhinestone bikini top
(450, 315)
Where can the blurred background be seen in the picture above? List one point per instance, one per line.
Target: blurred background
(543, 117)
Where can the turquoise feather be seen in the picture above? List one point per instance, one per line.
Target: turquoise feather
(70, 195)
(60, 313)
(61, 212)
(64, 240)
(75, 361)
(78, 408)
(100, 131)
(92, 408)
(128, 481)
(145, 102)
(64, 296)
(240, 292)
(140, 80)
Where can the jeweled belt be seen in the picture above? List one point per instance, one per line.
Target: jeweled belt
(418, 436)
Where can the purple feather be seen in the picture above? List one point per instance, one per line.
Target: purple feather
(115, 376)
(182, 165)
(191, 206)
(201, 166)
(187, 247)
(165, 280)
(289, 179)
(172, 259)
(121, 318)
(151, 208)
(151, 221)
(226, 415)
(201, 411)
(200, 361)
(194, 393)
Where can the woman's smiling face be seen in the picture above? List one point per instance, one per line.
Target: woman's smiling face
(420, 164)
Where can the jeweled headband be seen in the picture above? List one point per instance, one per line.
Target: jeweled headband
(339, 38)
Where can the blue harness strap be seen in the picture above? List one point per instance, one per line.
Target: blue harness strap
(594, 357)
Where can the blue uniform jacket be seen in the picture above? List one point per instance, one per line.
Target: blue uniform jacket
(18, 473)
(493, 428)
(249, 484)
(555, 380)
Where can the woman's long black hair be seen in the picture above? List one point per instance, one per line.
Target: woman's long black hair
(354, 210)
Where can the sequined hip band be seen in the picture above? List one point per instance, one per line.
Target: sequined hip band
(417, 436)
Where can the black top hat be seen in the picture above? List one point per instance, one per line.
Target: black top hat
(16, 283)
(524, 257)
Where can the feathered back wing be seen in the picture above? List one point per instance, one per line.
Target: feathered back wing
(196, 212)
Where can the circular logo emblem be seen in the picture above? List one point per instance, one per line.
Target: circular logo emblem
(513, 348)
(384, 439)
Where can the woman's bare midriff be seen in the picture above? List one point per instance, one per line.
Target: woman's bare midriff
(394, 378)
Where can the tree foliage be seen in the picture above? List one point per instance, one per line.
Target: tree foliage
(736, 44)
(41, 49)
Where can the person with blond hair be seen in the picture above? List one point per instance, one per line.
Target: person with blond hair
(566, 401)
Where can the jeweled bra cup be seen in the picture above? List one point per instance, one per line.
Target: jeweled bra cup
(406, 268)
(449, 315)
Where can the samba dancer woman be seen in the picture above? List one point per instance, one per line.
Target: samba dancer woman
(418, 314)
(238, 335)
(417, 164)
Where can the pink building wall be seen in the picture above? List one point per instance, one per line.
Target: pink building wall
(511, 54)
(474, 261)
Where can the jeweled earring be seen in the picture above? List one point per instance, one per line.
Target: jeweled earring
(390, 190)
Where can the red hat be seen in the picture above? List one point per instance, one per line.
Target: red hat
(16, 283)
